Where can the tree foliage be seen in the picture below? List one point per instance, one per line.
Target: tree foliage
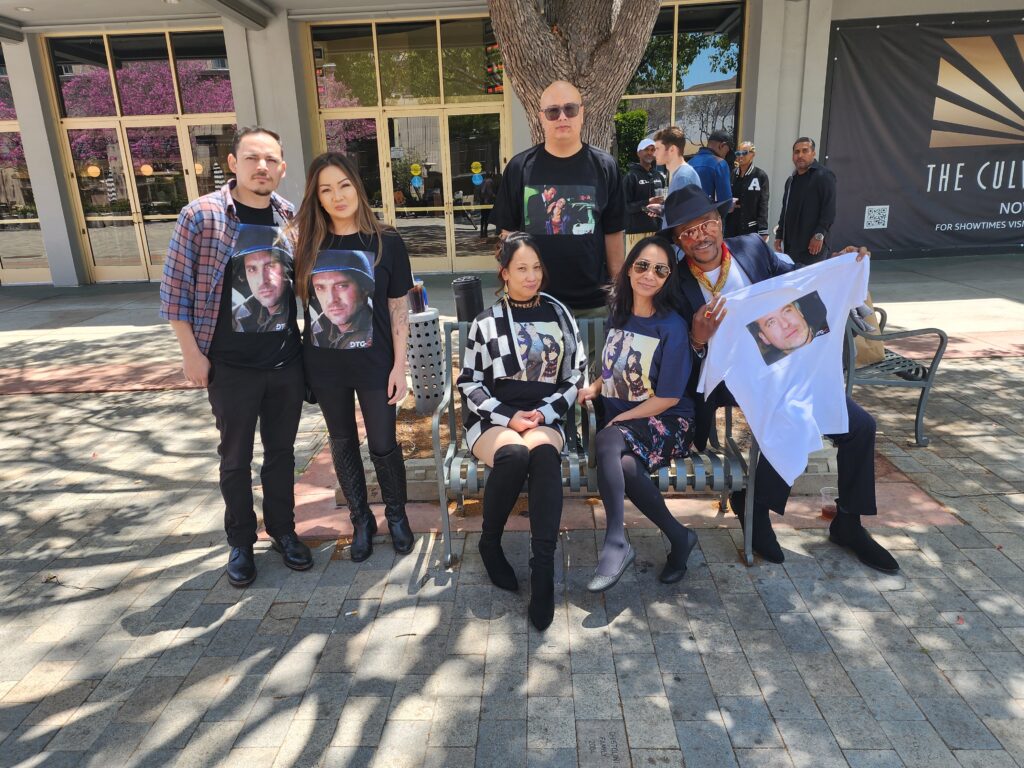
(630, 128)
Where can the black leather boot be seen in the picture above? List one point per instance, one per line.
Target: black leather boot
(391, 477)
(241, 566)
(541, 609)
(348, 466)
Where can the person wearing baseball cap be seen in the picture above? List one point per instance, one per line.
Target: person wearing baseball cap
(710, 165)
(643, 181)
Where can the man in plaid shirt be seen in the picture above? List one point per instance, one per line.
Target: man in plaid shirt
(251, 373)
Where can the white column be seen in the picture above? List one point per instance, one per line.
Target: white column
(237, 45)
(41, 137)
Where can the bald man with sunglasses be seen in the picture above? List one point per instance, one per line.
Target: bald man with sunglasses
(569, 196)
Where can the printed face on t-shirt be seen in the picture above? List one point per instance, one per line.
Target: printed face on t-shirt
(540, 348)
(566, 209)
(261, 280)
(793, 325)
(340, 303)
(626, 365)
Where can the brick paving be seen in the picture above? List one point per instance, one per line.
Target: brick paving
(124, 644)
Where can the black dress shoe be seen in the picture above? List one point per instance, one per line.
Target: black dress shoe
(241, 566)
(295, 554)
(763, 540)
(846, 531)
(675, 566)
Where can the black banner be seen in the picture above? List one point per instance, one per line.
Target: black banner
(925, 133)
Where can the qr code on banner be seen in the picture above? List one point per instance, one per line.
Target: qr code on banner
(876, 217)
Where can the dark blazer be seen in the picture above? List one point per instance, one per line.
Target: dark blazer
(816, 214)
(758, 262)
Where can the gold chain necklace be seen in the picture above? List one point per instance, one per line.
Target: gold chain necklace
(701, 278)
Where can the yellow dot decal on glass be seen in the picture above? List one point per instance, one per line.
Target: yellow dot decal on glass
(476, 167)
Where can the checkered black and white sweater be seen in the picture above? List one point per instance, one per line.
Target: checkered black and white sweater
(491, 354)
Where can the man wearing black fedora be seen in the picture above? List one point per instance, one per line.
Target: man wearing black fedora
(715, 265)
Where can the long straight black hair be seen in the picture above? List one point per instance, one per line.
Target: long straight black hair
(620, 299)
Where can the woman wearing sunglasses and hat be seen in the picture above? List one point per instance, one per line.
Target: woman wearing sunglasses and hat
(352, 274)
(648, 422)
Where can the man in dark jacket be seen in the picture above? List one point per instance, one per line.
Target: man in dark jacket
(713, 266)
(808, 207)
(640, 185)
(750, 188)
(711, 166)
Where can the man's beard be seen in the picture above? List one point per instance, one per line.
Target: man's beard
(262, 192)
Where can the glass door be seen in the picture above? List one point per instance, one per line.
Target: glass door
(420, 189)
(474, 156)
(98, 163)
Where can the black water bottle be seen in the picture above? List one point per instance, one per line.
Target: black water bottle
(469, 297)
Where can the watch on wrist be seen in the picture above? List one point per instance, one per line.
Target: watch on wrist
(819, 237)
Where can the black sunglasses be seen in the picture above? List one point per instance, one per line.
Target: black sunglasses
(661, 270)
(552, 113)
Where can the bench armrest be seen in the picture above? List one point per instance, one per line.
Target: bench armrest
(588, 428)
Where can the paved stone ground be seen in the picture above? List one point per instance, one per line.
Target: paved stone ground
(124, 645)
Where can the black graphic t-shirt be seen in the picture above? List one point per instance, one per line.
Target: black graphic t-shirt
(634, 358)
(256, 325)
(348, 325)
(568, 204)
(541, 347)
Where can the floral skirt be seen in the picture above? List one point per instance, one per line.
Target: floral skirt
(658, 439)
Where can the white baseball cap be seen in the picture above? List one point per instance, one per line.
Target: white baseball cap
(644, 144)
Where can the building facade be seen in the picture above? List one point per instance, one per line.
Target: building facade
(115, 113)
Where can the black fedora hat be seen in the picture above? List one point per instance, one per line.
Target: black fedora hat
(686, 204)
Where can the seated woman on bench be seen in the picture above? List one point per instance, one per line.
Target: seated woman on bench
(646, 418)
(521, 372)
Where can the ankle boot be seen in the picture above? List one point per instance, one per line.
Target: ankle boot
(348, 466)
(391, 477)
(542, 590)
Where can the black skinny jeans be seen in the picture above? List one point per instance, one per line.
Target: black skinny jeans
(338, 404)
(239, 397)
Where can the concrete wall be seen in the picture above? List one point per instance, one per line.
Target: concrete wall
(42, 139)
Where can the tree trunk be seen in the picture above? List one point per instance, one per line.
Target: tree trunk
(594, 44)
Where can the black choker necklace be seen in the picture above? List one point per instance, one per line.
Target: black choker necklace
(528, 304)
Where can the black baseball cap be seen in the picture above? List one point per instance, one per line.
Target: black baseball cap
(722, 137)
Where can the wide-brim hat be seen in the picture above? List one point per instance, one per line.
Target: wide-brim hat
(345, 261)
(687, 204)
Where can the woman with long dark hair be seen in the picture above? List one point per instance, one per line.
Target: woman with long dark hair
(352, 274)
(512, 408)
(645, 415)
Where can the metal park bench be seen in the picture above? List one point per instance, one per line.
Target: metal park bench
(895, 370)
(722, 468)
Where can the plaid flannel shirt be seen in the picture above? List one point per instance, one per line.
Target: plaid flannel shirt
(197, 257)
(491, 354)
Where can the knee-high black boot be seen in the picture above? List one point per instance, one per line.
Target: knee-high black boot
(545, 518)
(503, 486)
(391, 477)
(348, 466)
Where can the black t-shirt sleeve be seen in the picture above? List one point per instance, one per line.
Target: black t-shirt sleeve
(613, 219)
(507, 212)
(401, 271)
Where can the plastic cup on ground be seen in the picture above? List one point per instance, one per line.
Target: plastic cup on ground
(828, 502)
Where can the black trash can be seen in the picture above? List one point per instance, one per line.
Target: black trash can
(469, 298)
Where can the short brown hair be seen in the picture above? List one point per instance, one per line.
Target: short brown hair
(672, 136)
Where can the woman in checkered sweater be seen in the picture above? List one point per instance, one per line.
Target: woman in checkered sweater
(522, 369)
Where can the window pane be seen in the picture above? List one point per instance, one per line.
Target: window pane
(415, 163)
(21, 247)
(80, 68)
(96, 155)
(345, 73)
(638, 119)
(143, 74)
(473, 67)
(474, 145)
(201, 61)
(156, 165)
(211, 145)
(708, 53)
(6, 99)
(358, 139)
(702, 114)
(408, 63)
(16, 200)
(654, 73)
